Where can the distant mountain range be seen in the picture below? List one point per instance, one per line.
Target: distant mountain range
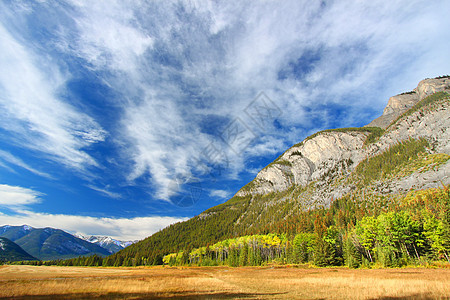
(10, 251)
(49, 243)
(110, 244)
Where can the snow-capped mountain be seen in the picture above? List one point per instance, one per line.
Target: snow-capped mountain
(110, 244)
(50, 243)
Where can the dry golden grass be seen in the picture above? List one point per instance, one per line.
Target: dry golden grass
(29, 282)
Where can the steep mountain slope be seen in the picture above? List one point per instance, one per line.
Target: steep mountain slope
(49, 243)
(106, 242)
(14, 232)
(332, 153)
(399, 104)
(409, 150)
(10, 251)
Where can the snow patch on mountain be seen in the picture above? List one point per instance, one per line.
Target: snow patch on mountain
(110, 244)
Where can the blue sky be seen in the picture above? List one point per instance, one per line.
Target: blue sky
(121, 117)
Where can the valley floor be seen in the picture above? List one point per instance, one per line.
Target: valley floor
(32, 282)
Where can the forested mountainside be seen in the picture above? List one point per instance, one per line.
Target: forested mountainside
(368, 168)
(49, 243)
(412, 230)
(10, 251)
(376, 194)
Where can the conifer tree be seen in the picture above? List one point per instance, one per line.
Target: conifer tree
(243, 256)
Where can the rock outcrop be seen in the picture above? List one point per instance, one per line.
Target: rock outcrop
(399, 104)
(331, 156)
(314, 159)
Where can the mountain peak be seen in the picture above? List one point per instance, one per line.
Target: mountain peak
(110, 244)
(400, 103)
(49, 243)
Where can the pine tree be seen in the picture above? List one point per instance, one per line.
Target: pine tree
(243, 256)
(323, 251)
(303, 247)
(352, 257)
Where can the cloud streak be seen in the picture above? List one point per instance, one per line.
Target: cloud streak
(219, 194)
(8, 157)
(16, 197)
(105, 191)
(35, 111)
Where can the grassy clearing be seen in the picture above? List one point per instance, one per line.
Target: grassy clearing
(374, 136)
(20, 282)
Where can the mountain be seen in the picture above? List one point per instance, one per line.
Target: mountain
(399, 104)
(108, 243)
(407, 148)
(49, 243)
(15, 232)
(327, 158)
(10, 251)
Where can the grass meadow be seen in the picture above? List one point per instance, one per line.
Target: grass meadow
(51, 282)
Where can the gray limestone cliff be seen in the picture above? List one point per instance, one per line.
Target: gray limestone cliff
(399, 104)
(323, 162)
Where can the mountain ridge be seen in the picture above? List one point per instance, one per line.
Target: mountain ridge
(401, 103)
(50, 243)
(10, 251)
(110, 244)
(323, 151)
(414, 144)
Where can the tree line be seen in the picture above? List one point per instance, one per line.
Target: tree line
(417, 232)
(414, 230)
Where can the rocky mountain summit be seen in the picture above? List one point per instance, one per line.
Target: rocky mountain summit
(329, 157)
(399, 104)
(110, 244)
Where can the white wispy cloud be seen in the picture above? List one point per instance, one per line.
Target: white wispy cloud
(33, 108)
(8, 157)
(16, 197)
(108, 35)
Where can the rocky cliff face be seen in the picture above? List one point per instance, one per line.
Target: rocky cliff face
(399, 104)
(324, 161)
(314, 159)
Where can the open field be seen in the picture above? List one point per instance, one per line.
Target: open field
(31, 282)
